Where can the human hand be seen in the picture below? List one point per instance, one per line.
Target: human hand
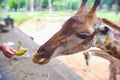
(7, 50)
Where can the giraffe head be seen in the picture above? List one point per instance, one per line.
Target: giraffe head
(107, 37)
(103, 35)
(75, 35)
(105, 32)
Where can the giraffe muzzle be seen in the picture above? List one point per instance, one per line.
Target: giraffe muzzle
(39, 60)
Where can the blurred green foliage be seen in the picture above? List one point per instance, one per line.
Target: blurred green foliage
(12, 4)
(60, 4)
(16, 3)
(108, 2)
(0, 18)
(2, 4)
(1, 1)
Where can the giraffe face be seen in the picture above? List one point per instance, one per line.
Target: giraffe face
(76, 35)
(103, 29)
(103, 36)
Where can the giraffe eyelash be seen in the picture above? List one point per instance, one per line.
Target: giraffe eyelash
(82, 36)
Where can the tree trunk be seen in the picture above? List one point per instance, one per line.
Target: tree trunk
(26, 4)
(41, 5)
(70, 7)
(18, 6)
(117, 7)
(49, 6)
(32, 5)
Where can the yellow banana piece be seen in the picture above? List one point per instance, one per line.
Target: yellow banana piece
(21, 52)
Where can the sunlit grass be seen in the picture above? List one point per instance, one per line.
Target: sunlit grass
(22, 16)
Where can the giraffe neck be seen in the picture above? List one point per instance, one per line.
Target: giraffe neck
(105, 55)
(113, 46)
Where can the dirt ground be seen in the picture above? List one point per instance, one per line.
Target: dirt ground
(42, 29)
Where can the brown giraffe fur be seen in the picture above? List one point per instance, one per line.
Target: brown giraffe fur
(114, 62)
(77, 32)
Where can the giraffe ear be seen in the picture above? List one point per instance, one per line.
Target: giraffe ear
(96, 4)
(82, 7)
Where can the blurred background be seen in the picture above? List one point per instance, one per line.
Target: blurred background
(58, 7)
(41, 19)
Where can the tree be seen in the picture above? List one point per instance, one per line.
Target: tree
(45, 4)
(18, 5)
(1, 1)
(38, 5)
(32, 5)
(59, 4)
(41, 4)
(117, 2)
(13, 4)
(3, 4)
(49, 6)
(109, 4)
(26, 5)
(70, 6)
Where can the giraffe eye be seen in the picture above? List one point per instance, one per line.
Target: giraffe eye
(83, 36)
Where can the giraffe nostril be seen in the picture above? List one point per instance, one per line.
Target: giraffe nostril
(43, 50)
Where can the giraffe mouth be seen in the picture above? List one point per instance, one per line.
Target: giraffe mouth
(38, 60)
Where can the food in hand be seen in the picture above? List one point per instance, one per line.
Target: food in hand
(21, 52)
